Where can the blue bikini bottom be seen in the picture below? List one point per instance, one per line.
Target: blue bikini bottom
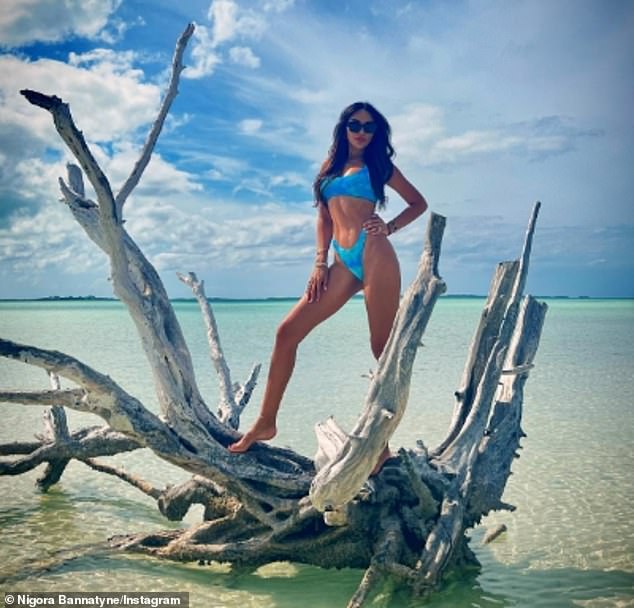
(352, 257)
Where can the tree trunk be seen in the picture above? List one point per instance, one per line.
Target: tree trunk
(407, 524)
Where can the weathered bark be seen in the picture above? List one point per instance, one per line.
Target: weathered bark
(408, 523)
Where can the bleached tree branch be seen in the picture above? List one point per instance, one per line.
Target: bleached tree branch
(71, 397)
(476, 420)
(233, 400)
(172, 91)
(75, 141)
(86, 443)
(213, 339)
(486, 332)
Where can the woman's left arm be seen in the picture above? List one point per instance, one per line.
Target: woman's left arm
(416, 205)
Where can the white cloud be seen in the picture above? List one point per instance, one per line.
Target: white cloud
(291, 179)
(250, 126)
(117, 62)
(28, 183)
(26, 21)
(243, 55)
(223, 168)
(278, 6)
(203, 53)
(536, 140)
(415, 128)
(203, 240)
(223, 17)
(228, 22)
(108, 99)
(255, 184)
(160, 179)
(473, 142)
(421, 138)
(255, 179)
(48, 240)
(310, 97)
(116, 29)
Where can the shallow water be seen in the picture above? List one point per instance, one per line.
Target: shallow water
(570, 542)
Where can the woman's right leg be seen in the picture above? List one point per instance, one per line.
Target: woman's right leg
(304, 317)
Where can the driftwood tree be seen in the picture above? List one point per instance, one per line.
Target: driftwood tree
(407, 524)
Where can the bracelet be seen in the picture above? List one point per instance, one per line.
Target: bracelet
(391, 227)
(321, 265)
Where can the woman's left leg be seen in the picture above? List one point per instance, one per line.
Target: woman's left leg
(381, 289)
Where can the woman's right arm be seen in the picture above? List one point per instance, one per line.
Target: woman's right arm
(318, 281)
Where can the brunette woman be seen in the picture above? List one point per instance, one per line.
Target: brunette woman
(348, 188)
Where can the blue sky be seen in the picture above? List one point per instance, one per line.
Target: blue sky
(493, 104)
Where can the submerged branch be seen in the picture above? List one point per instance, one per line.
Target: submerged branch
(140, 484)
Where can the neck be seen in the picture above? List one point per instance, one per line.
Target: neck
(355, 156)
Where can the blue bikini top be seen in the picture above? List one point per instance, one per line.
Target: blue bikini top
(355, 184)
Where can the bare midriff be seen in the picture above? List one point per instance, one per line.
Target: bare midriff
(348, 214)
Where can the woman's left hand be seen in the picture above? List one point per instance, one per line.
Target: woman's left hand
(375, 225)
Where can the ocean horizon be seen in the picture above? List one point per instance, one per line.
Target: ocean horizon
(293, 298)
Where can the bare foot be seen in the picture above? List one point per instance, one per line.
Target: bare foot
(260, 431)
(385, 454)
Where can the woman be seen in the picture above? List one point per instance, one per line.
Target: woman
(347, 189)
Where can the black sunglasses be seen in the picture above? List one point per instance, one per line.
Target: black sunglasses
(357, 126)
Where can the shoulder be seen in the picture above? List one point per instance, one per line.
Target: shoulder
(397, 180)
(396, 175)
(400, 184)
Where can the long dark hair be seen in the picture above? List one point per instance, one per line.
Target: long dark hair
(377, 155)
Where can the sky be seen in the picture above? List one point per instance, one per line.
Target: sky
(494, 104)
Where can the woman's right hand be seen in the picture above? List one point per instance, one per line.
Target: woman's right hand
(317, 283)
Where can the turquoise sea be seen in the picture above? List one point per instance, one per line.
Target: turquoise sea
(569, 543)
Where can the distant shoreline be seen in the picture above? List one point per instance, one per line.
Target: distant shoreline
(285, 298)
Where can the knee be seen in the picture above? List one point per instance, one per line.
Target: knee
(286, 336)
